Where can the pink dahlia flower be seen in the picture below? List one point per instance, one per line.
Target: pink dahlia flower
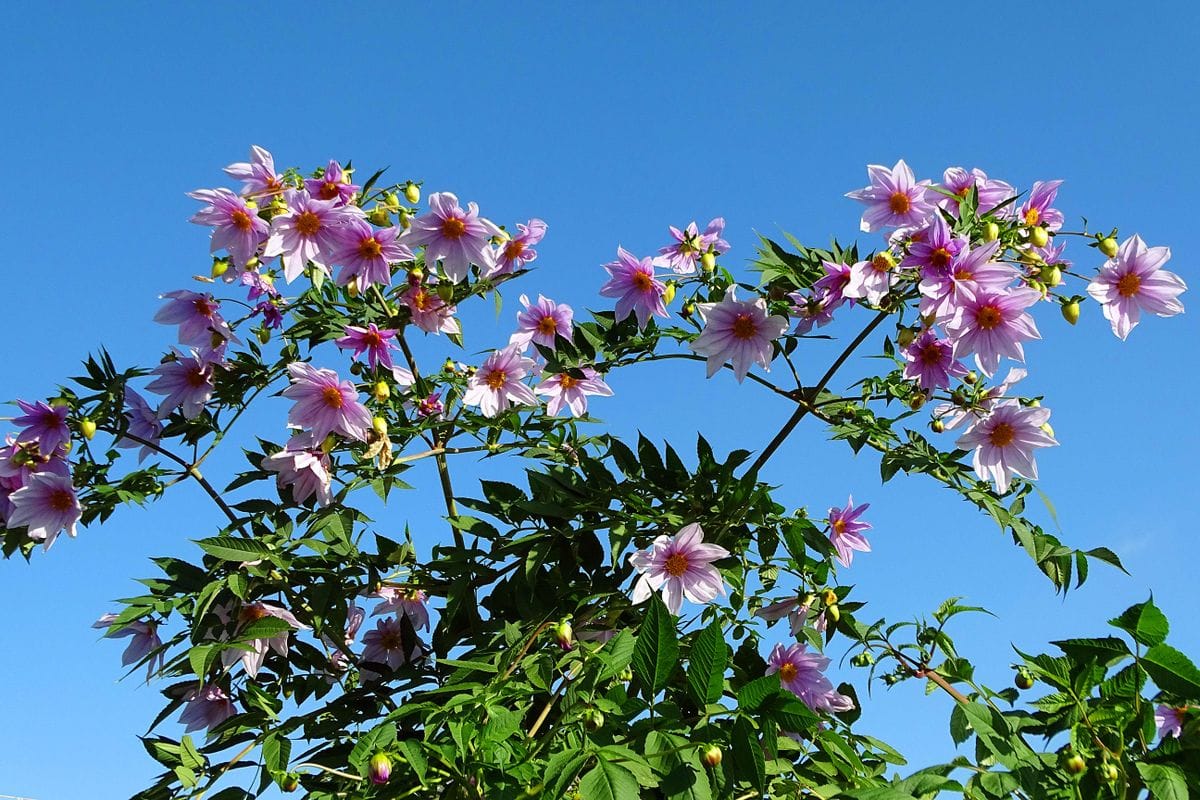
(633, 283)
(690, 244)
(931, 362)
(307, 231)
(1134, 282)
(496, 385)
(334, 184)
(991, 192)
(993, 323)
(871, 280)
(518, 251)
(543, 322)
(257, 175)
(455, 237)
(207, 707)
(143, 423)
(374, 341)
(186, 382)
(567, 390)
(803, 674)
(304, 467)
(1004, 442)
(389, 645)
(252, 659)
(46, 505)
(894, 198)
(366, 254)
(412, 603)
(1037, 210)
(325, 403)
(739, 332)
(237, 227)
(197, 315)
(1169, 720)
(428, 311)
(846, 531)
(143, 641)
(795, 610)
(681, 566)
(44, 424)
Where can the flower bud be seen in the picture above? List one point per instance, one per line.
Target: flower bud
(916, 400)
(688, 309)
(1070, 311)
(669, 293)
(1023, 680)
(405, 220)
(446, 292)
(380, 768)
(328, 444)
(1052, 276)
(971, 378)
(87, 428)
(1039, 236)
(593, 720)
(834, 613)
(626, 675)
(564, 635)
(937, 426)
(829, 597)
(991, 232)
(534, 789)
(290, 783)
(1074, 764)
(711, 756)
(379, 425)
(415, 275)
(412, 193)
(1108, 246)
(263, 334)
(380, 391)
(379, 216)
(220, 267)
(1109, 772)
(448, 366)
(391, 200)
(708, 261)
(863, 659)
(905, 336)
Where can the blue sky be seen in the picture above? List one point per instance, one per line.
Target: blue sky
(610, 122)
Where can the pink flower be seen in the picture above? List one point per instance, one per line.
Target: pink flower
(325, 403)
(542, 323)
(518, 251)
(143, 423)
(207, 707)
(307, 231)
(144, 641)
(871, 280)
(47, 506)
(404, 600)
(633, 283)
(845, 531)
(681, 566)
(1134, 282)
(497, 384)
(1004, 442)
(187, 382)
(374, 341)
(796, 612)
(690, 245)
(931, 362)
(942, 291)
(238, 228)
(991, 192)
(303, 466)
(834, 284)
(803, 674)
(252, 659)
(44, 424)
(1169, 720)
(366, 254)
(953, 415)
(815, 310)
(428, 311)
(737, 331)
(455, 237)
(339, 659)
(390, 645)
(334, 184)
(1036, 209)
(568, 390)
(257, 175)
(894, 199)
(993, 323)
(197, 315)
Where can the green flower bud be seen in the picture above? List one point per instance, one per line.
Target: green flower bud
(905, 336)
(711, 756)
(381, 391)
(669, 293)
(1074, 764)
(1023, 680)
(991, 232)
(1109, 772)
(1052, 276)
(834, 613)
(412, 193)
(593, 720)
(87, 428)
(1039, 236)
(446, 292)
(1108, 246)
(937, 426)
(916, 400)
(829, 597)
(971, 378)
(263, 334)
(564, 635)
(708, 261)
(220, 267)
(379, 216)
(290, 783)
(626, 675)
(534, 789)
(688, 309)
(1070, 311)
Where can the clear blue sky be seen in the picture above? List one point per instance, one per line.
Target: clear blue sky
(609, 121)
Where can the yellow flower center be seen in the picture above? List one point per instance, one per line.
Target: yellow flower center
(642, 281)
(514, 249)
(453, 228)
(547, 325)
(240, 220)
(839, 527)
(370, 248)
(788, 672)
(1002, 435)
(251, 613)
(676, 565)
(308, 223)
(420, 299)
(496, 379)
(1033, 216)
(899, 203)
(332, 396)
(931, 354)
(988, 317)
(329, 190)
(882, 262)
(1129, 285)
(744, 327)
(940, 257)
(566, 382)
(60, 500)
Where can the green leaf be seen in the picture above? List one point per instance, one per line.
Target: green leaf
(276, 752)
(561, 770)
(657, 650)
(201, 657)
(1172, 671)
(264, 628)
(1164, 781)
(748, 764)
(706, 664)
(369, 743)
(1144, 622)
(615, 654)
(231, 548)
(608, 781)
(415, 758)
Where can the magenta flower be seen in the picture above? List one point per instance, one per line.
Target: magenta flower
(991, 192)
(46, 506)
(497, 384)
(567, 390)
(737, 331)
(425, 407)
(815, 310)
(238, 228)
(272, 316)
(257, 175)
(44, 424)
(1036, 209)
(252, 659)
(871, 280)
(339, 659)
(894, 199)
(429, 312)
(334, 184)
(633, 283)
(143, 423)
(325, 403)
(1169, 720)
(931, 362)
(197, 315)
(942, 291)
(935, 252)
(518, 251)
(366, 254)
(992, 324)
(845, 531)
(187, 382)
(388, 645)
(260, 285)
(681, 566)
(403, 600)
(144, 641)
(207, 707)
(455, 237)
(542, 323)
(833, 285)
(1004, 442)
(690, 244)
(374, 341)
(307, 231)
(303, 466)
(803, 674)
(1134, 282)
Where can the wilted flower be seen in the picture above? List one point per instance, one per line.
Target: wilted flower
(681, 566)
(144, 641)
(207, 707)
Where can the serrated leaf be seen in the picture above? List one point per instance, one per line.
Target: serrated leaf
(1172, 671)
(748, 763)
(415, 758)
(1165, 782)
(608, 781)
(1144, 622)
(707, 663)
(231, 548)
(657, 650)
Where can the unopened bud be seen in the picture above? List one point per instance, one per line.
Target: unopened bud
(708, 261)
(415, 275)
(381, 391)
(1052, 276)
(937, 426)
(626, 675)
(1108, 246)
(405, 220)
(448, 366)
(863, 659)
(352, 289)
(711, 756)
(593, 720)
(263, 334)
(1023, 680)
(564, 635)
(380, 768)
(220, 267)
(328, 443)
(1039, 236)
(379, 425)
(446, 292)
(971, 378)
(916, 400)
(669, 293)
(991, 232)
(688, 309)
(1070, 311)
(412, 193)
(834, 612)
(829, 597)
(905, 336)
(87, 428)
(379, 216)
(60, 402)
(290, 783)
